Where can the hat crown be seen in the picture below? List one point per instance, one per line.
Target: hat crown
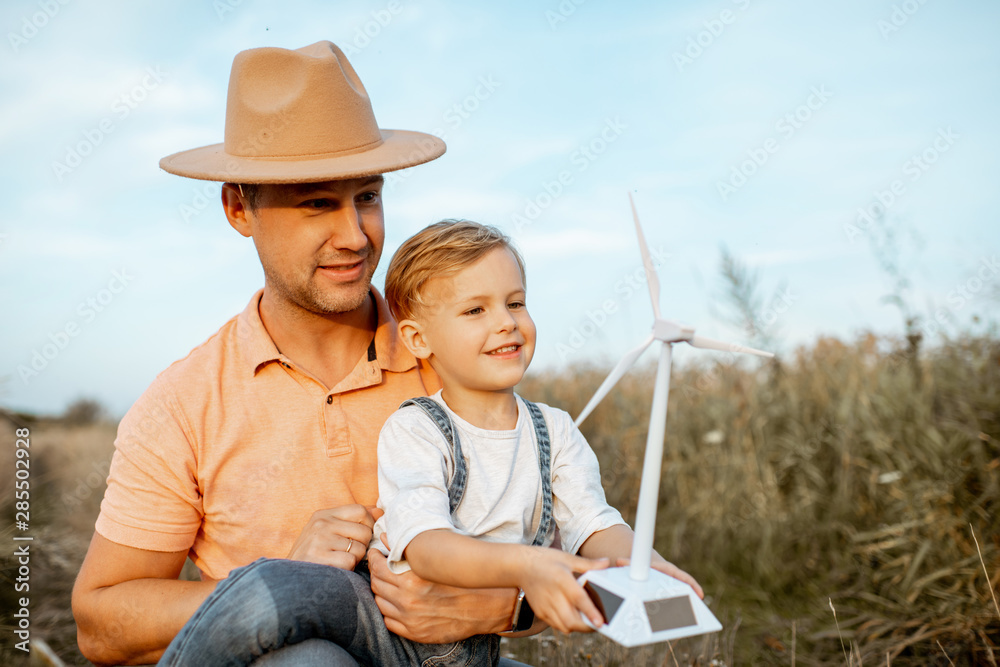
(303, 103)
(301, 116)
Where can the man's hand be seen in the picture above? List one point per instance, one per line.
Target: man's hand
(337, 537)
(549, 583)
(435, 613)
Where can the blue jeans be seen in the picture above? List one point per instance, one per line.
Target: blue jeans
(271, 604)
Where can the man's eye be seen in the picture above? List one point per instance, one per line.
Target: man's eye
(369, 197)
(318, 203)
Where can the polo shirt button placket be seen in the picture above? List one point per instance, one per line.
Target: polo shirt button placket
(338, 434)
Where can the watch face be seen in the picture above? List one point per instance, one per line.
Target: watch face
(526, 616)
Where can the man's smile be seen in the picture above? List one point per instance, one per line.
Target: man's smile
(343, 272)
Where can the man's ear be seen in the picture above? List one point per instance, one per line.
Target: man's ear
(236, 209)
(413, 338)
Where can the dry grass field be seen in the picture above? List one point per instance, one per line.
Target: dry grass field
(830, 503)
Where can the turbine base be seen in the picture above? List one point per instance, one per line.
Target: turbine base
(645, 612)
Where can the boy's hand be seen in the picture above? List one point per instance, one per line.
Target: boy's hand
(666, 567)
(549, 583)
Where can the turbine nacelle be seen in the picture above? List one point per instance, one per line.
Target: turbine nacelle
(669, 331)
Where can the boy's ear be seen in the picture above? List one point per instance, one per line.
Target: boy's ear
(413, 338)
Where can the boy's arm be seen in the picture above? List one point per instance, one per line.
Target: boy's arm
(432, 613)
(616, 543)
(546, 575)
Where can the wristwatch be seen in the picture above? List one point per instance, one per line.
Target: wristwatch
(524, 615)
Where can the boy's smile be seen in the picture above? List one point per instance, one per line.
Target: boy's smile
(475, 328)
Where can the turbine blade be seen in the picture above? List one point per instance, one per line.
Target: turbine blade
(647, 262)
(710, 344)
(613, 377)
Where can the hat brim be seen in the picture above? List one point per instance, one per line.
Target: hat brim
(399, 149)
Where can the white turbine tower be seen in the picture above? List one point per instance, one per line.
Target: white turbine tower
(641, 605)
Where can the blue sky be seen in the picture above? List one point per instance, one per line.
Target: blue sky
(760, 125)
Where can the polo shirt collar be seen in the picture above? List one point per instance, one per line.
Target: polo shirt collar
(257, 346)
(259, 349)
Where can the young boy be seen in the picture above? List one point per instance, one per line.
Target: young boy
(473, 480)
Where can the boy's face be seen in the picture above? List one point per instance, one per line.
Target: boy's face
(475, 328)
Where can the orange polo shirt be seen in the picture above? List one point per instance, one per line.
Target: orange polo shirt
(231, 449)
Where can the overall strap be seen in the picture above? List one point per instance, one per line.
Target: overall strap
(545, 468)
(456, 487)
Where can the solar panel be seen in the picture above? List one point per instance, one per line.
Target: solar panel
(670, 613)
(606, 602)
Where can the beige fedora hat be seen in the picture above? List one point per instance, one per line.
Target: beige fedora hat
(298, 117)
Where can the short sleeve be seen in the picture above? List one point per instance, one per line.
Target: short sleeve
(578, 502)
(413, 471)
(152, 501)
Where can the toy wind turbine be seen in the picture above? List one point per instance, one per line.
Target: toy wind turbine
(641, 605)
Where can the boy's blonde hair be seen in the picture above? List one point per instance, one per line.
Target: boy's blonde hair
(438, 250)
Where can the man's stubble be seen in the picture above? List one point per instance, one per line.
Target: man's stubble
(309, 296)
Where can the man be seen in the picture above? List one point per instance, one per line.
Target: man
(261, 442)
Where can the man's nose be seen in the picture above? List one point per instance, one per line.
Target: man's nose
(348, 229)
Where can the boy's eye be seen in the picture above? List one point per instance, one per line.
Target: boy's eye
(474, 311)
(516, 304)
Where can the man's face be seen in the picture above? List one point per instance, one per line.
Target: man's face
(319, 243)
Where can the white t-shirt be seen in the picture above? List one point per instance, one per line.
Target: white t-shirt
(503, 494)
